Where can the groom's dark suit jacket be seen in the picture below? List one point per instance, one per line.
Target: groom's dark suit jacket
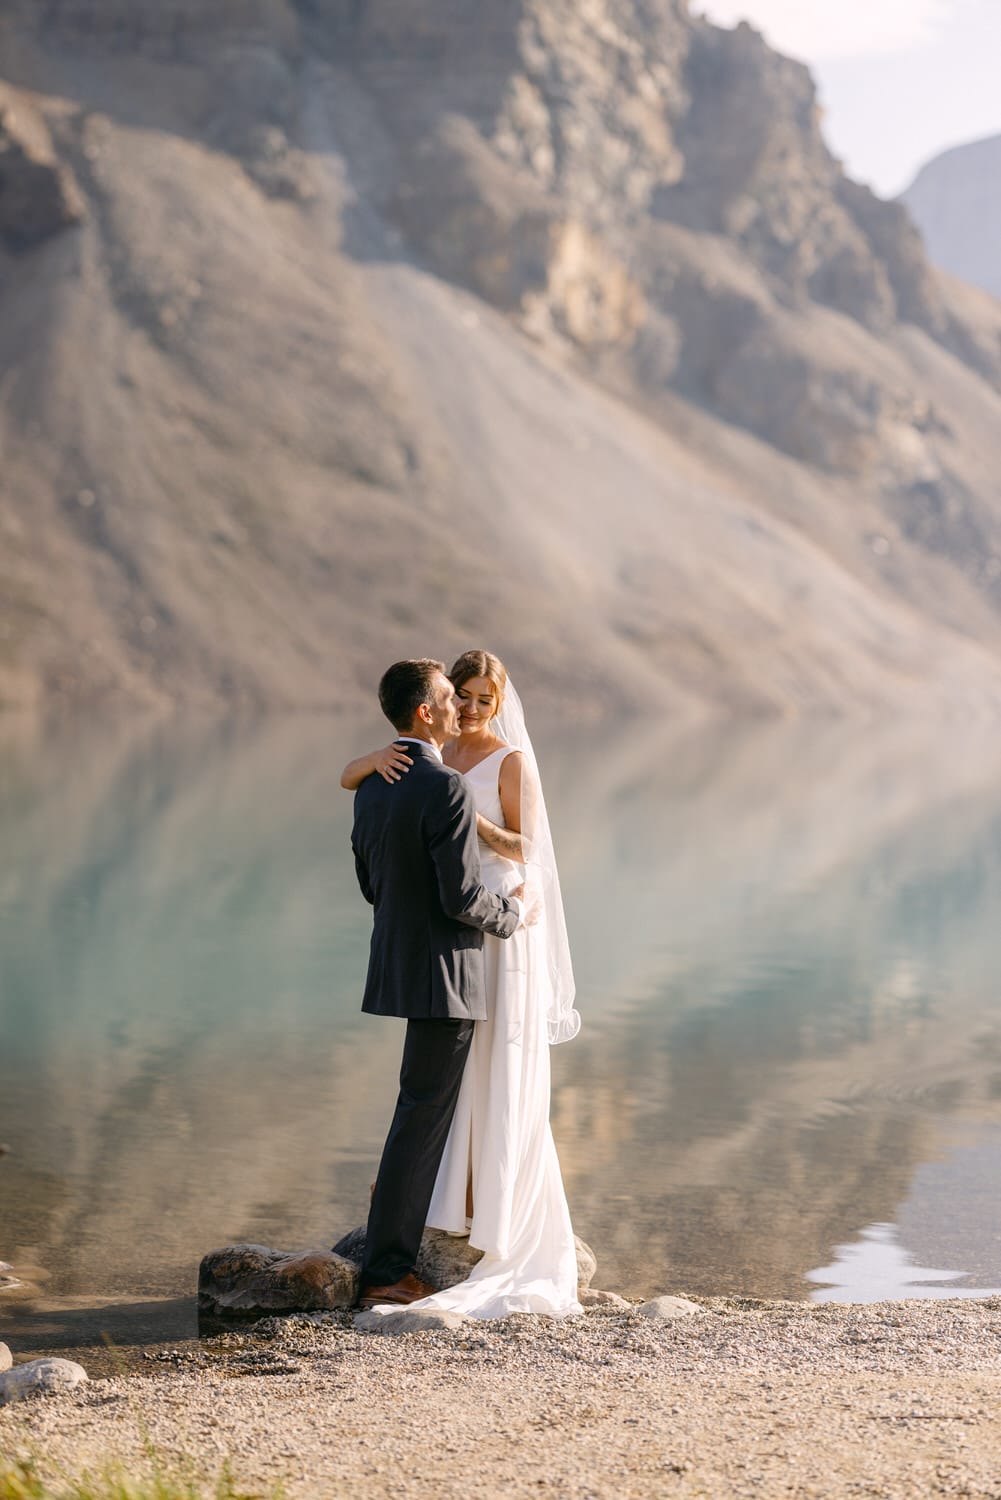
(418, 862)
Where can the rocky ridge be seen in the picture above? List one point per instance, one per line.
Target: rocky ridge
(330, 254)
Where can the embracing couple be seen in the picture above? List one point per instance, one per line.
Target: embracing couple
(453, 849)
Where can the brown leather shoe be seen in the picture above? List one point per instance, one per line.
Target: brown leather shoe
(408, 1289)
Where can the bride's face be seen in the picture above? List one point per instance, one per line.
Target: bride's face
(477, 705)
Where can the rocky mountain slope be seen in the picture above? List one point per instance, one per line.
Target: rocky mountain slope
(344, 329)
(955, 201)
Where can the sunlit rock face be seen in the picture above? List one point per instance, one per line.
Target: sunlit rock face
(554, 324)
(38, 194)
(624, 116)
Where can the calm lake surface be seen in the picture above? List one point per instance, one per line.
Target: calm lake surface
(788, 952)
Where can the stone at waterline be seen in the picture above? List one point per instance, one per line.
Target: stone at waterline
(591, 1299)
(586, 1264)
(7, 1279)
(248, 1281)
(244, 1282)
(6, 1358)
(40, 1377)
(409, 1320)
(666, 1309)
(446, 1259)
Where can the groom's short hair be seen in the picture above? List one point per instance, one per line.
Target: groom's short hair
(405, 686)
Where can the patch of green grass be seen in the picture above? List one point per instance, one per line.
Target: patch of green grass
(22, 1481)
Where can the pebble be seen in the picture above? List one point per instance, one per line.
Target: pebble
(6, 1358)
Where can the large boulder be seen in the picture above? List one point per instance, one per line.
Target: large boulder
(248, 1281)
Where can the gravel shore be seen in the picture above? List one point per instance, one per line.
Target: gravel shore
(787, 1399)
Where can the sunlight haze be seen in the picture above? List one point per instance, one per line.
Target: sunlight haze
(899, 80)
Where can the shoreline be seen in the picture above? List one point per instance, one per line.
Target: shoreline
(738, 1398)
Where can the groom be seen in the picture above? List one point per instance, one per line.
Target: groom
(418, 863)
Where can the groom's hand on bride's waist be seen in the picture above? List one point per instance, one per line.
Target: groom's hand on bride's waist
(531, 906)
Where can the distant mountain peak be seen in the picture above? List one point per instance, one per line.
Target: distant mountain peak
(955, 200)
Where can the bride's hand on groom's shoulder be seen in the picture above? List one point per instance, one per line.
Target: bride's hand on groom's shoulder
(391, 763)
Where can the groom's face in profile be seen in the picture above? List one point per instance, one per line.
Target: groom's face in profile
(444, 722)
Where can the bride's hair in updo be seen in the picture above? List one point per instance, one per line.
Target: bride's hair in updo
(480, 664)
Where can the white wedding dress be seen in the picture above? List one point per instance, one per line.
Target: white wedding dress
(500, 1135)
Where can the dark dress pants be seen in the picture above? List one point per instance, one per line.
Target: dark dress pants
(434, 1055)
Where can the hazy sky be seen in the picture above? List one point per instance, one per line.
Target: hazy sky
(900, 80)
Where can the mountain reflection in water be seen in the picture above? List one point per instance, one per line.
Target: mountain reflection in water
(787, 953)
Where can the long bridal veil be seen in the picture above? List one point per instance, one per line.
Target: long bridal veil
(542, 881)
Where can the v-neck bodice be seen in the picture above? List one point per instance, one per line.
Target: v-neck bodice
(498, 874)
(484, 780)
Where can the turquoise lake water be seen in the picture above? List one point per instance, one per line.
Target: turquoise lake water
(788, 952)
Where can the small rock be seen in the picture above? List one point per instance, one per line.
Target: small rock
(591, 1298)
(586, 1265)
(664, 1309)
(40, 1377)
(409, 1320)
(6, 1358)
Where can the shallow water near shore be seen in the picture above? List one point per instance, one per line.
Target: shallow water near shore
(788, 955)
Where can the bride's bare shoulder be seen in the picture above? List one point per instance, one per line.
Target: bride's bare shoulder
(510, 772)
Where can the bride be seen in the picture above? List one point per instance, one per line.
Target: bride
(499, 1179)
